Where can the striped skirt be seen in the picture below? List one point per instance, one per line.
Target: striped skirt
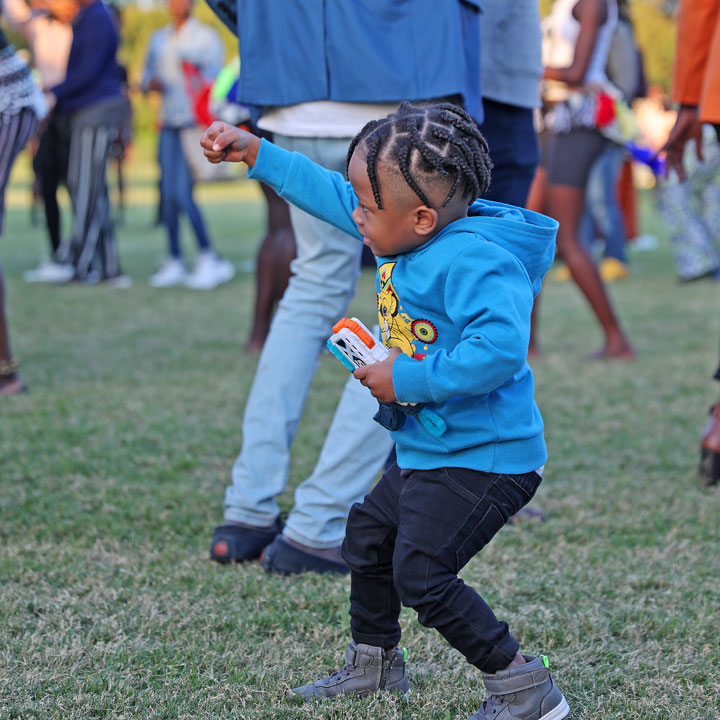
(92, 248)
(15, 131)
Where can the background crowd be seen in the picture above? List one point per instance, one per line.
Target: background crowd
(579, 82)
(578, 86)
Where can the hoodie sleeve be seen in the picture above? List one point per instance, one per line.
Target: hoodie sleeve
(489, 298)
(322, 193)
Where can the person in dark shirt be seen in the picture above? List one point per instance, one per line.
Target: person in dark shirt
(91, 99)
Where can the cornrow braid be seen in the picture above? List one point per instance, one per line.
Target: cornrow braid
(431, 145)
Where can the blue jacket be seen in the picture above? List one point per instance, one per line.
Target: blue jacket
(511, 60)
(296, 51)
(459, 308)
(92, 72)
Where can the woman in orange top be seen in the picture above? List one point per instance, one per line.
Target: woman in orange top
(696, 86)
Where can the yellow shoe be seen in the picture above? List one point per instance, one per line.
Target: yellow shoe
(561, 274)
(612, 269)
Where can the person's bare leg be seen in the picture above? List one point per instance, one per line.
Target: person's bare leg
(566, 206)
(272, 274)
(537, 201)
(120, 161)
(10, 382)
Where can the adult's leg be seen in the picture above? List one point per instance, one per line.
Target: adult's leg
(272, 272)
(627, 199)
(353, 453)
(48, 167)
(169, 150)
(183, 192)
(14, 135)
(607, 210)
(537, 201)
(514, 151)
(320, 289)
(9, 378)
(93, 246)
(572, 156)
(696, 256)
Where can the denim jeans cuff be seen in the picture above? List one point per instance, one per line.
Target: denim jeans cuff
(293, 534)
(501, 655)
(384, 641)
(259, 520)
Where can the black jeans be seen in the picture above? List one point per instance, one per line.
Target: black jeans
(407, 541)
(50, 165)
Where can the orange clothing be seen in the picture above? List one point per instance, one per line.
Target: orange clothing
(696, 79)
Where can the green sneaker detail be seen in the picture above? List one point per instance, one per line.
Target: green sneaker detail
(522, 692)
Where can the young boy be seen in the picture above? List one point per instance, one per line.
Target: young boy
(456, 281)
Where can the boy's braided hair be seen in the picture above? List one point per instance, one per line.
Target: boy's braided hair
(433, 145)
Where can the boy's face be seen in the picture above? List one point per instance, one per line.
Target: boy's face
(400, 227)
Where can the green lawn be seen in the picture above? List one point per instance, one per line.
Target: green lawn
(113, 467)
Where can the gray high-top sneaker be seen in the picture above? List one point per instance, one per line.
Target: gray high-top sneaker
(522, 692)
(368, 669)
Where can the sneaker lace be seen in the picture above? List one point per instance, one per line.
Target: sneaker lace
(493, 705)
(344, 671)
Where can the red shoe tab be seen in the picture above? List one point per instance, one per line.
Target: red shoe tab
(221, 548)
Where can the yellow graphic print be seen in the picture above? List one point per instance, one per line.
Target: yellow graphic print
(395, 326)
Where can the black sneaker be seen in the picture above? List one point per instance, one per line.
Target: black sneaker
(282, 558)
(237, 543)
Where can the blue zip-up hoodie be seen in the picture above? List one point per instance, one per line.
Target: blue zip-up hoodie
(459, 307)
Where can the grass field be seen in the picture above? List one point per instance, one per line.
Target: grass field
(113, 467)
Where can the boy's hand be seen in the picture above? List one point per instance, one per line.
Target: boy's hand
(226, 142)
(378, 377)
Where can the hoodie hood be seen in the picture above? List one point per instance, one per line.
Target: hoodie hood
(528, 235)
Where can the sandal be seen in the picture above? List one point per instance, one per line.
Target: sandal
(10, 383)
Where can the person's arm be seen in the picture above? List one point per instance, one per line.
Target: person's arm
(98, 41)
(18, 15)
(322, 193)
(489, 298)
(591, 14)
(149, 81)
(696, 23)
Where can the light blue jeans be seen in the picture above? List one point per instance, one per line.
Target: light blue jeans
(322, 284)
(602, 208)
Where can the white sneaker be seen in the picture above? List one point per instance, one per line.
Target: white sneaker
(210, 271)
(173, 272)
(50, 272)
(119, 282)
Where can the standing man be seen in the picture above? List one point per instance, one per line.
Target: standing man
(696, 87)
(314, 72)
(185, 40)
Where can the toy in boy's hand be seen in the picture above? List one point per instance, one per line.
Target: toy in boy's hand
(353, 344)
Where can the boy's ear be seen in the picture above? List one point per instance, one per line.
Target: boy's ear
(426, 220)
